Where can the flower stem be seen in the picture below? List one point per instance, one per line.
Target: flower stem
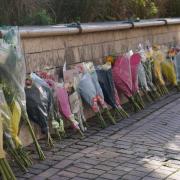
(109, 116)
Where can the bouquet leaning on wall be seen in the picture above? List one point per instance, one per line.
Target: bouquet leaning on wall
(12, 79)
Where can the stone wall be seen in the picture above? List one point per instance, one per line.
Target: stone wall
(51, 51)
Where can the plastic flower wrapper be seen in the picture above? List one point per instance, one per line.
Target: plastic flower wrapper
(13, 73)
(64, 106)
(158, 58)
(177, 66)
(168, 71)
(47, 84)
(108, 88)
(5, 169)
(57, 121)
(10, 135)
(39, 103)
(135, 61)
(141, 71)
(143, 82)
(99, 93)
(71, 78)
(88, 92)
(147, 64)
(76, 109)
(122, 78)
(39, 81)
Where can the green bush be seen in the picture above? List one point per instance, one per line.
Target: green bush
(38, 18)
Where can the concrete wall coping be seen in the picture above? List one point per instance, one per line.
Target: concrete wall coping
(63, 29)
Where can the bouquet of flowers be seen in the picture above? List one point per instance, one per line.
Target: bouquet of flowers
(168, 71)
(37, 102)
(64, 106)
(88, 92)
(109, 91)
(89, 67)
(12, 77)
(122, 77)
(177, 66)
(71, 79)
(147, 64)
(5, 116)
(135, 61)
(143, 82)
(158, 58)
(54, 114)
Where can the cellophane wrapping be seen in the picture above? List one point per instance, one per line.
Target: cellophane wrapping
(122, 75)
(107, 86)
(12, 65)
(12, 78)
(135, 61)
(177, 65)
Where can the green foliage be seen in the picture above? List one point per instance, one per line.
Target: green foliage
(38, 18)
(44, 12)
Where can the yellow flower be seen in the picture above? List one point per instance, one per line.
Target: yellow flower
(109, 59)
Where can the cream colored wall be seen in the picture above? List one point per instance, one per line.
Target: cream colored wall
(50, 52)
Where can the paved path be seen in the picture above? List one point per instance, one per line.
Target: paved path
(145, 146)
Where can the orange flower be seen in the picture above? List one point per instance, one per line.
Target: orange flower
(172, 52)
(109, 59)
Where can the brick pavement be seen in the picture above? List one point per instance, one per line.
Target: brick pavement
(145, 146)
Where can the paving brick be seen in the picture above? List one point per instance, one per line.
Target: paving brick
(63, 164)
(117, 172)
(49, 162)
(83, 165)
(84, 143)
(89, 161)
(73, 150)
(157, 175)
(138, 173)
(49, 172)
(56, 157)
(58, 178)
(79, 178)
(88, 176)
(110, 176)
(131, 177)
(151, 178)
(67, 174)
(88, 150)
(124, 168)
(80, 147)
(63, 153)
(75, 169)
(35, 171)
(76, 156)
(103, 167)
(40, 166)
(110, 163)
(95, 171)
(28, 175)
(39, 178)
(144, 169)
